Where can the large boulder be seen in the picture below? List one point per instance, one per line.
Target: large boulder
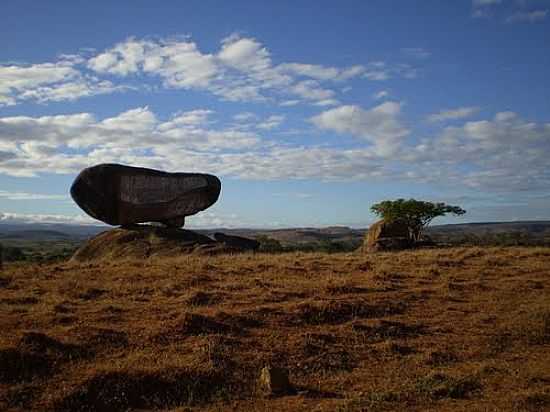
(237, 242)
(125, 195)
(387, 235)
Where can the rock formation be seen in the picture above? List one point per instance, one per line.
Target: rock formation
(125, 195)
(384, 235)
(145, 241)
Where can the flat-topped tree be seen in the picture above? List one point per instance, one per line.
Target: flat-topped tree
(416, 214)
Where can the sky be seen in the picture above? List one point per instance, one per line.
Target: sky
(309, 112)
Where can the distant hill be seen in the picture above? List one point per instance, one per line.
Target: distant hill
(535, 230)
(294, 236)
(35, 235)
(495, 227)
(44, 231)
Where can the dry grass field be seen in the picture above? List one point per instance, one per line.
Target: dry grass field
(461, 329)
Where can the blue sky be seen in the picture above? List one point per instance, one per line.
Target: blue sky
(308, 111)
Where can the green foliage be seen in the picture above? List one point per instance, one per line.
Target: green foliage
(270, 245)
(416, 214)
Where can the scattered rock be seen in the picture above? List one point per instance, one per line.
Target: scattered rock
(274, 381)
(125, 195)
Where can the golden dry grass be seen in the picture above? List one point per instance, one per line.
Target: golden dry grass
(462, 329)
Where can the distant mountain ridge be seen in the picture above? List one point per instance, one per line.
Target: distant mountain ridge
(45, 232)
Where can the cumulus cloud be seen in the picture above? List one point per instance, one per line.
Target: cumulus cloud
(271, 122)
(7, 195)
(67, 143)
(245, 116)
(486, 8)
(49, 82)
(483, 8)
(6, 217)
(320, 72)
(527, 16)
(482, 3)
(380, 125)
(416, 52)
(382, 94)
(505, 153)
(453, 114)
(190, 141)
(242, 69)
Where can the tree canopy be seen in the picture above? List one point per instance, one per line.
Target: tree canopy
(416, 214)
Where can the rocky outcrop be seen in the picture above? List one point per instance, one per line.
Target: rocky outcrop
(237, 242)
(145, 241)
(385, 235)
(140, 242)
(125, 195)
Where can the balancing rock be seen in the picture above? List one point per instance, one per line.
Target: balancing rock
(125, 195)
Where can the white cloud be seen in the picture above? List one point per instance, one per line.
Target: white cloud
(6, 217)
(379, 125)
(206, 219)
(30, 196)
(32, 145)
(49, 82)
(271, 122)
(191, 118)
(326, 102)
(483, 8)
(490, 154)
(311, 90)
(505, 153)
(288, 103)
(241, 70)
(245, 54)
(482, 3)
(453, 114)
(244, 117)
(320, 72)
(297, 195)
(178, 62)
(382, 94)
(377, 71)
(527, 16)
(416, 52)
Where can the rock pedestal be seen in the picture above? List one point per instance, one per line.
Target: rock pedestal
(144, 241)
